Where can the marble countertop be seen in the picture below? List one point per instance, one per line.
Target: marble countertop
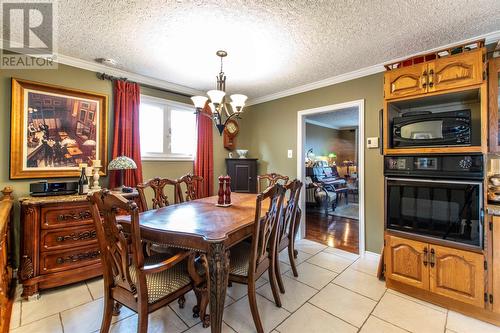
(28, 200)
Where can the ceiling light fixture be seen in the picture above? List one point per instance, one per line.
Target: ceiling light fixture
(107, 61)
(217, 102)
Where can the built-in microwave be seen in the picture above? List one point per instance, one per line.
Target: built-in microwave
(425, 129)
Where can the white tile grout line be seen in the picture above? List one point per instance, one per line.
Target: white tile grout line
(290, 313)
(318, 291)
(61, 322)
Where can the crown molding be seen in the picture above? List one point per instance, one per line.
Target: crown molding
(489, 38)
(147, 80)
(100, 68)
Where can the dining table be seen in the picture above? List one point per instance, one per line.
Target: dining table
(201, 226)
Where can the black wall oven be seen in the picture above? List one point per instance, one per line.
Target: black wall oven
(437, 197)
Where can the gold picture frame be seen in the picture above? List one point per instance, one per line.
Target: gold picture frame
(51, 131)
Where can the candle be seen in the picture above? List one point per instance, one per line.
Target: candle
(96, 163)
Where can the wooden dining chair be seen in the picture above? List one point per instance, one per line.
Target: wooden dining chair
(141, 284)
(247, 262)
(288, 228)
(190, 187)
(158, 186)
(270, 179)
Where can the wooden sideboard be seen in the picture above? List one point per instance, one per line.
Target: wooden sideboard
(243, 173)
(6, 203)
(58, 242)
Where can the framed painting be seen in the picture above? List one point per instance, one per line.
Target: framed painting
(54, 129)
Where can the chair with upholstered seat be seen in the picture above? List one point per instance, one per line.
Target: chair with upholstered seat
(269, 179)
(158, 188)
(141, 284)
(248, 261)
(288, 228)
(190, 187)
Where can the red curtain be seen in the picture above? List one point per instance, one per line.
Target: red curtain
(126, 131)
(204, 161)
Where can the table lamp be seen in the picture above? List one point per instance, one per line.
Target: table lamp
(122, 163)
(332, 157)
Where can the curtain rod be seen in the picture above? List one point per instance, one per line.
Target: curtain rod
(104, 76)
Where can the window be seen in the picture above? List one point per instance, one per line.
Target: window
(167, 129)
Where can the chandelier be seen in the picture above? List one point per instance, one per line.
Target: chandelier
(217, 100)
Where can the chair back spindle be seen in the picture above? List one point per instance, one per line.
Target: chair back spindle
(193, 187)
(117, 250)
(288, 223)
(160, 198)
(265, 227)
(270, 179)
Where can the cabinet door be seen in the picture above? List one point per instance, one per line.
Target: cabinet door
(457, 274)
(406, 81)
(495, 262)
(456, 71)
(494, 102)
(406, 261)
(243, 175)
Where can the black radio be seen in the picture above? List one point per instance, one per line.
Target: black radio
(44, 188)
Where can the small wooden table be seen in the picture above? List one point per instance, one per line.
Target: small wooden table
(201, 226)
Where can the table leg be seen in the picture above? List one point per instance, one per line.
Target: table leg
(218, 263)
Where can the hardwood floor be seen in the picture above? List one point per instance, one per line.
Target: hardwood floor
(335, 231)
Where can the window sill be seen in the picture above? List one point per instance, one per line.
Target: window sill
(166, 159)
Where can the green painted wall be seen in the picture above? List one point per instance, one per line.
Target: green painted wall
(269, 129)
(76, 78)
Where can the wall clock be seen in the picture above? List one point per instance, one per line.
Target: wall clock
(230, 131)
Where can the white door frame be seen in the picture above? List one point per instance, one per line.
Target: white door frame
(360, 104)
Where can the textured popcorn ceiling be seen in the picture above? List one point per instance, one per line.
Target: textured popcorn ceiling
(344, 118)
(272, 45)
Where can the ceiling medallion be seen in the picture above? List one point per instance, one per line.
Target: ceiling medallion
(217, 100)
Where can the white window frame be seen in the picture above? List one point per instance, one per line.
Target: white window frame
(167, 105)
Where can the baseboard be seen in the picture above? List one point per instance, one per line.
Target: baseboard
(371, 254)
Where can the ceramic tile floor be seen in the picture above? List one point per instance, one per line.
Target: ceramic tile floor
(335, 291)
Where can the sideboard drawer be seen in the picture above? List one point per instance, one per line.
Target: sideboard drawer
(72, 215)
(51, 262)
(67, 238)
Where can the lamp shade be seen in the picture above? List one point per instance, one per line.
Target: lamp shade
(238, 99)
(199, 101)
(89, 143)
(122, 163)
(216, 96)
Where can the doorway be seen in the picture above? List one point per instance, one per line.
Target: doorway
(330, 159)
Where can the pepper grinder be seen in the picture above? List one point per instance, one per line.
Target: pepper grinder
(220, 200)
(227, 194)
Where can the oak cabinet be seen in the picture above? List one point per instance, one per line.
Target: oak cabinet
(455, 71)
(457, 274)
(495, 262)
(445, 271)
(406, 261)
(494, 102)
(406, 81)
